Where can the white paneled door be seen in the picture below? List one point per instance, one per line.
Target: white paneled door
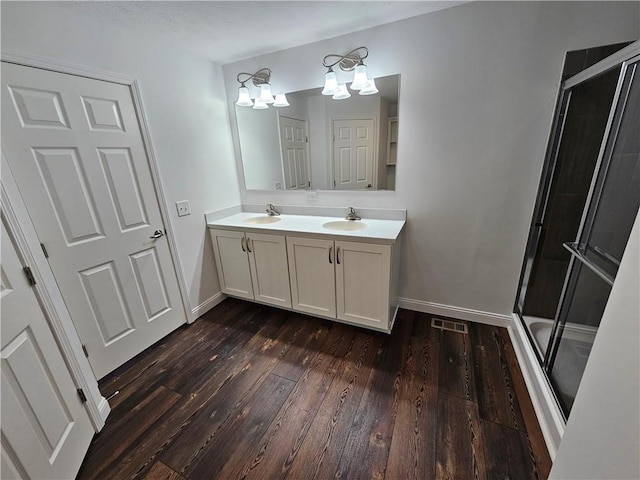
(353, 154)
(45, 428)
(295, 164)
(75, 149)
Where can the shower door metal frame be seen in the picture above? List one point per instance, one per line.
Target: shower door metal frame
(603, 162)
(623, 58)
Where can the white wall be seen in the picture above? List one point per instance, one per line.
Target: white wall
(185, 105)
(602, 438)
(318, 151)
(478, 87)
(260, 146)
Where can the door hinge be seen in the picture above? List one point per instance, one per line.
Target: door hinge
(30, 278)
(82, 396)
(306, 139)
(44, 250)
(334, 183)
(309, 183)
(86, 353)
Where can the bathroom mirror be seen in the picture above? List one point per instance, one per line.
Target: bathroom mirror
(322, 144)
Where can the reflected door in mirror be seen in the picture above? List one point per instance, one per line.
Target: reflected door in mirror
(353, 153)
(293, 141)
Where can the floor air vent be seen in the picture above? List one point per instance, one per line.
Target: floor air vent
(449, 325)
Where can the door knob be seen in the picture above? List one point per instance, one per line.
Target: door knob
(157, 234)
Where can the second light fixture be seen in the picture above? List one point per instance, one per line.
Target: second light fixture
(353, 60)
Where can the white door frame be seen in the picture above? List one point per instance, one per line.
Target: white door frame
(332, 163)
(63, 327)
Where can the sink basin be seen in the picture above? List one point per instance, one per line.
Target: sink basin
(345, 225)
(261, 220)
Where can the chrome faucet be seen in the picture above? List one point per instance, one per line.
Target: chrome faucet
(271, 210)
(352, 215)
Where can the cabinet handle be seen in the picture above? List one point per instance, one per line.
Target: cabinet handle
(338, 255)
(330, 249)
(249, 245)
(242, 244)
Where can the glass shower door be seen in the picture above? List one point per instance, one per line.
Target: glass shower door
(580, 126)
(595, 257)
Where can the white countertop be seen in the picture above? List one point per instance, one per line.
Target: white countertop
(384, 231)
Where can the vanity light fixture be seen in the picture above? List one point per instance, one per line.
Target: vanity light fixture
(353, 60)
(260, 79)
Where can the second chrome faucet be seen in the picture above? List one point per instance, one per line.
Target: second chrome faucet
(352, 215)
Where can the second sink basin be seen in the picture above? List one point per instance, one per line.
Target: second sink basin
(345, 225)
(261, 220)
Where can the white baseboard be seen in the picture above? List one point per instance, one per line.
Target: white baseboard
(104, 409)
(549, 415)
(207, 305)
(460, 313)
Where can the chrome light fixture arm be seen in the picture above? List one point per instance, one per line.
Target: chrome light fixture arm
(260, 77)
(348, 61)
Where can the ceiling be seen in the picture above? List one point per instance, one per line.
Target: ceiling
(228, 31)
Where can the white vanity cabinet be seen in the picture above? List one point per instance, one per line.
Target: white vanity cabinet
(322, 266)
(346, 280)
(252, 266)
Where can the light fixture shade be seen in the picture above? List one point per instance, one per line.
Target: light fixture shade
(360, 79)
(330, 83)
(265, 93)
(244, 99)
(281, 100)
(260, 105)
(369, 89)
(342, 92)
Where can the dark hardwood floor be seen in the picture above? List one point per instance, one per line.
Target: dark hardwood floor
(255, 392)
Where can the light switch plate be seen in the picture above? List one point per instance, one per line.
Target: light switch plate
(183, 208)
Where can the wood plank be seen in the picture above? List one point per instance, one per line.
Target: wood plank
(497, 399)
(130, 428)
(459, 447)
(159, 471)
(273, 454)
(367, 448)
(173, 375)
(137, 460)
(456, 366)
(534, 433)
(507, 453)
(412, 452)
(186, 374)
(145, 372)
(313, 332)
(248, 424)
(260, 355)
(323, 445)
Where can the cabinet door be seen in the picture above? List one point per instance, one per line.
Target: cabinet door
(313, 282)
(362, 283)
(269, 270)
(232, 262)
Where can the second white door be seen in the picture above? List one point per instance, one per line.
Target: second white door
(354, 154)
(75, 149)
(45, 429)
